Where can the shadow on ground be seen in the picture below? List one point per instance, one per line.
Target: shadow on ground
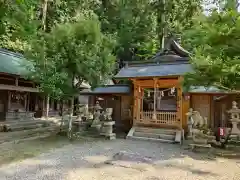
(99, 156)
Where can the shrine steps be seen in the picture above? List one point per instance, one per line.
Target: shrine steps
(23, 130)
(155, 134)
(22, 125)
(16, 136)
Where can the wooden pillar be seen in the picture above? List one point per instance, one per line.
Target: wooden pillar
(28, 101)
(135, 105)
(154, 99)
(9, 100)
(179, 103)
(139, 102)
(16, 81)
(185, 109)
(36, 105)
(25, 101)
(179, 106)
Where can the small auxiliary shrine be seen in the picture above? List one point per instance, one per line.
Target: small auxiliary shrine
(158, 92)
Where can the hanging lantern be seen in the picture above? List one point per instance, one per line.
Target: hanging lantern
(149, 94)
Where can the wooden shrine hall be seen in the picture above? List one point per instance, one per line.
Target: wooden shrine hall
(158, 87)
(20, 98)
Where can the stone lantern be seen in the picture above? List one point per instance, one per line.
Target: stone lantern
(96, 120)
(235, 119)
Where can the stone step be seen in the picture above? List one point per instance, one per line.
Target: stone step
(154, 135)
(150, 139)
(42, 136)
(156, 130)
(21, 125)
(24, 122)
(25, 127)
(8, 136)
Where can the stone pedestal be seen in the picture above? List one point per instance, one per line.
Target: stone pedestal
(190, 123)
(107, 130)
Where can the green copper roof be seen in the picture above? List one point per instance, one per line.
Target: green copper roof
(202, 89)
(12, 63)
(157, 70)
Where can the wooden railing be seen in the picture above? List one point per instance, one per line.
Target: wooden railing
(162, 118)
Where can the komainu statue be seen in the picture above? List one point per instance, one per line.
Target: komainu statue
(198, 128)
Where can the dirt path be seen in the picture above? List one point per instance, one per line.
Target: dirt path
(86, 162)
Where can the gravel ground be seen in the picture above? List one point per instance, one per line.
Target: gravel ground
(86, 162)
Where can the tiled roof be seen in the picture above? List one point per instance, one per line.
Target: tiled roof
(202, 89)
(12, 63)
(156, 70)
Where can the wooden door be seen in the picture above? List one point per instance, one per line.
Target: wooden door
(185, 109)
(202, 104)
(116, 104)
(3, 104)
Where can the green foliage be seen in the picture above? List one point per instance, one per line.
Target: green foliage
(216, 54)
(175, 16)
(133, 24)
(71, 53)
(138, 24)
(80, 35)
(18, 23)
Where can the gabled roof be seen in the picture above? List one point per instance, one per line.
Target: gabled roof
(170, 61)
(154, 70)
(12, 63)
(172, 50)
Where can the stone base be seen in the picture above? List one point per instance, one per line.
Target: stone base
(97, 127)
(109, 136)
(235, 137)
(195, 147)
(200, 141)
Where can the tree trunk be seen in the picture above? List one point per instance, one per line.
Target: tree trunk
(47, 106)
(163, 25)
(62, 119)
(71, 110)
(161, 22)
(70, 119)
(105, 4)
(44, 14)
